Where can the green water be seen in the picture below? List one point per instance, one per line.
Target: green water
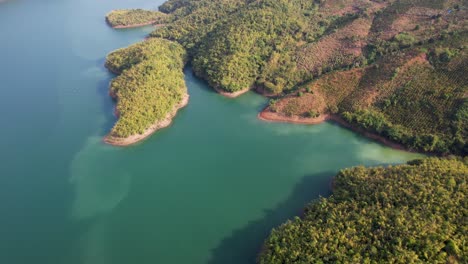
(206, 190)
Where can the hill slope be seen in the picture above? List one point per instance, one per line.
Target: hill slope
(395, 68)
(413, 213)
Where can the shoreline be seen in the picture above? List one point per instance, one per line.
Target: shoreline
(150, 23)
(133, 139)
(231, 95)
(267, 116)
(219, 91)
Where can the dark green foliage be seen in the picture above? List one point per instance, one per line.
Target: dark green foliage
(313, 114)
(413, 213)
(272, 105)
(376, 122)
(150, 84)
(232, 56)
(131, 17)
(460, 126)
(238, 44)
(193, 20)
(405, 40)
(172, 5)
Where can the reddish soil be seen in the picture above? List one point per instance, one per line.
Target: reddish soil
(269, 116)
(231, 95)
(347, 41)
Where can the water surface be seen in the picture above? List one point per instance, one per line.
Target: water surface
(206, 190)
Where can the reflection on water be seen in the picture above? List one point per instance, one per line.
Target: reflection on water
(99, 184)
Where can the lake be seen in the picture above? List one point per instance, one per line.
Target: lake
(207, 189)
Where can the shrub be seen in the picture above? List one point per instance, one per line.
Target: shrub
(313, 114)
(405, 39)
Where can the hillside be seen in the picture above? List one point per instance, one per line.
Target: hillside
(134, 18)
(413, 213)
(277, 44)
(415, 96)
(401, 62)
(392, 68)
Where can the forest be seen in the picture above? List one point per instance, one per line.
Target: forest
(400, 61)
(134, 17)
(403, 61)
(149, 85)
(413, 213)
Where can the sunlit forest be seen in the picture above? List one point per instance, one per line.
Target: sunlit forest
(414, 213)
(149, 86)
(392, 68)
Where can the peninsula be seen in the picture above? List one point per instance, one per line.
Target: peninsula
(149, 89)
(394, 69)
(134, 18)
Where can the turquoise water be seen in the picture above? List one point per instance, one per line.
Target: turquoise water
(205, 190)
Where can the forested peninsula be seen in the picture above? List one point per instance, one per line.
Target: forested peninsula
(134, 18)
(149, 89)
(392, 69)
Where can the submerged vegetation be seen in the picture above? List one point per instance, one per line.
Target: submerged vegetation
(414, 213)
(134, 17)
(150, 84)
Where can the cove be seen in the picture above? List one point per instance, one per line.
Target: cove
(207, 189)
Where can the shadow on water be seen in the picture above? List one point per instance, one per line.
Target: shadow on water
(191, 77)
(243, 245)
(192, 80)
(107, 103)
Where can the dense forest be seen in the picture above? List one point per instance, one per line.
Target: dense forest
(414, 213)
(395, 68)
(149, 86)
(134, 17)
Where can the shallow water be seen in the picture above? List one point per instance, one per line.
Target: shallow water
(205, 190)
